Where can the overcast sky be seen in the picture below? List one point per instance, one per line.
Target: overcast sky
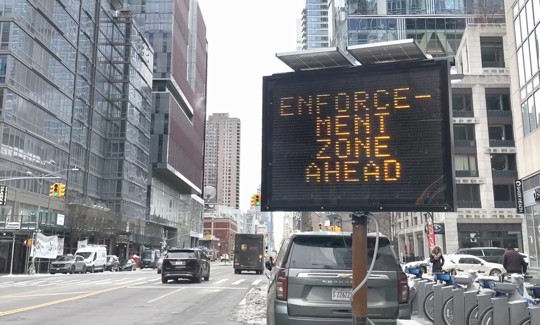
(243, 38)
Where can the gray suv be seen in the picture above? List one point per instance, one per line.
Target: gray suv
(311, 282)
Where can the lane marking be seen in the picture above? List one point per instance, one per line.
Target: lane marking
(219, 281)
(254, 283)
(45, 294)
(59, 301)
(243, 301)
(187, 287)
(165, 295)
(239, 281)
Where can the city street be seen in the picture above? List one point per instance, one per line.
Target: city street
(136, 297)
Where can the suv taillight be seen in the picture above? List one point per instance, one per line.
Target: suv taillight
(403, 288)
(282, 285)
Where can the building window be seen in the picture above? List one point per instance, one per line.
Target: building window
(468, 196)
(492, 52)
(465, 166)
(461, 102)
(498, 102)
(504, 196)
(503, 162)
(500, 132)
(464, 132)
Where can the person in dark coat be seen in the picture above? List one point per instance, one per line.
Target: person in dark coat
(513, 261)
(437, 260)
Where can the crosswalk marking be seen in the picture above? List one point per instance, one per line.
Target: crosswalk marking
(134, 281)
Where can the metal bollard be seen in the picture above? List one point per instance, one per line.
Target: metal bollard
(517, 311)
(535, 315)
(458, 303)
(500, 311)
(469, 301)
(437, 304)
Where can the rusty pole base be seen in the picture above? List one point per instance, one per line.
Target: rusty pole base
(359, 321)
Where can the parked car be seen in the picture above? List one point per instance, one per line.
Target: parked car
(489, 254)
(68, 264)
(95, 257)
(112, 263)
(311, 280)
(189, 263)
(463, 263)
(127, 264)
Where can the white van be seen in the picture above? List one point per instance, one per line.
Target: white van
(94, 256)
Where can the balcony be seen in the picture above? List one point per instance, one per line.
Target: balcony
(463, 113)
(465, 143)
(466, 173)
(505, 204)
(469, 204)
(504, 173)
(501, 143)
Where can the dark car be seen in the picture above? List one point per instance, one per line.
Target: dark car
(68, 264)
(112, 264)
(126, 264)
(311, 281)
(188, 263)
(149, 258)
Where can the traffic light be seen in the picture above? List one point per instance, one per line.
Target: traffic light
(61, 189)
(54, 190)
(253, 200)
(257, 200)
(320, 227)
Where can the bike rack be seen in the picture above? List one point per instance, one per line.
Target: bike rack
(437, 303)
(517, 309)
(459, 306)
(484, 302)
(535, 315)
(415, 306)
(500, 311)
(470, 301)
(424, 288)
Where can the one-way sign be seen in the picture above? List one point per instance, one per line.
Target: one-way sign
(3, 194)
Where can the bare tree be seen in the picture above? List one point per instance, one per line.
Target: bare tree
(388, 225)
(487, 10)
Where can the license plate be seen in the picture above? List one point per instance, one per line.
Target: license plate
(341, 294)
(179, 263)
(57, 269)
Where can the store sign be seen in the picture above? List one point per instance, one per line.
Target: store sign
(520, 205)
(438, 228)
(369, 138)
(536, 195)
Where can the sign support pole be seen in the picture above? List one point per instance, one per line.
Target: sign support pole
(359, 268)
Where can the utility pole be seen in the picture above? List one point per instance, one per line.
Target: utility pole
(359, 252)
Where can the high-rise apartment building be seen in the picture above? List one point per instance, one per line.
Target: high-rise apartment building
(177, 33)
(314, 25)
(75, 98)
(222, 158)
(523, 23)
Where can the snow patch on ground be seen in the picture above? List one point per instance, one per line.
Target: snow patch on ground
(252, 309)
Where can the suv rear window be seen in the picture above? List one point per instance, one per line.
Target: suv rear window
(181, 254)
(323, 252)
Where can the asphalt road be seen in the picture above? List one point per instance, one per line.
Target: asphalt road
(128, 298)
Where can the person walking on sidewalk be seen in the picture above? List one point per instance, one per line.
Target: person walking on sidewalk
(437, 260)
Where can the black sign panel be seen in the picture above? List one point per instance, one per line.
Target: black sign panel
(438, 228)
(520, 205)
(3, 194)
(372, 138)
